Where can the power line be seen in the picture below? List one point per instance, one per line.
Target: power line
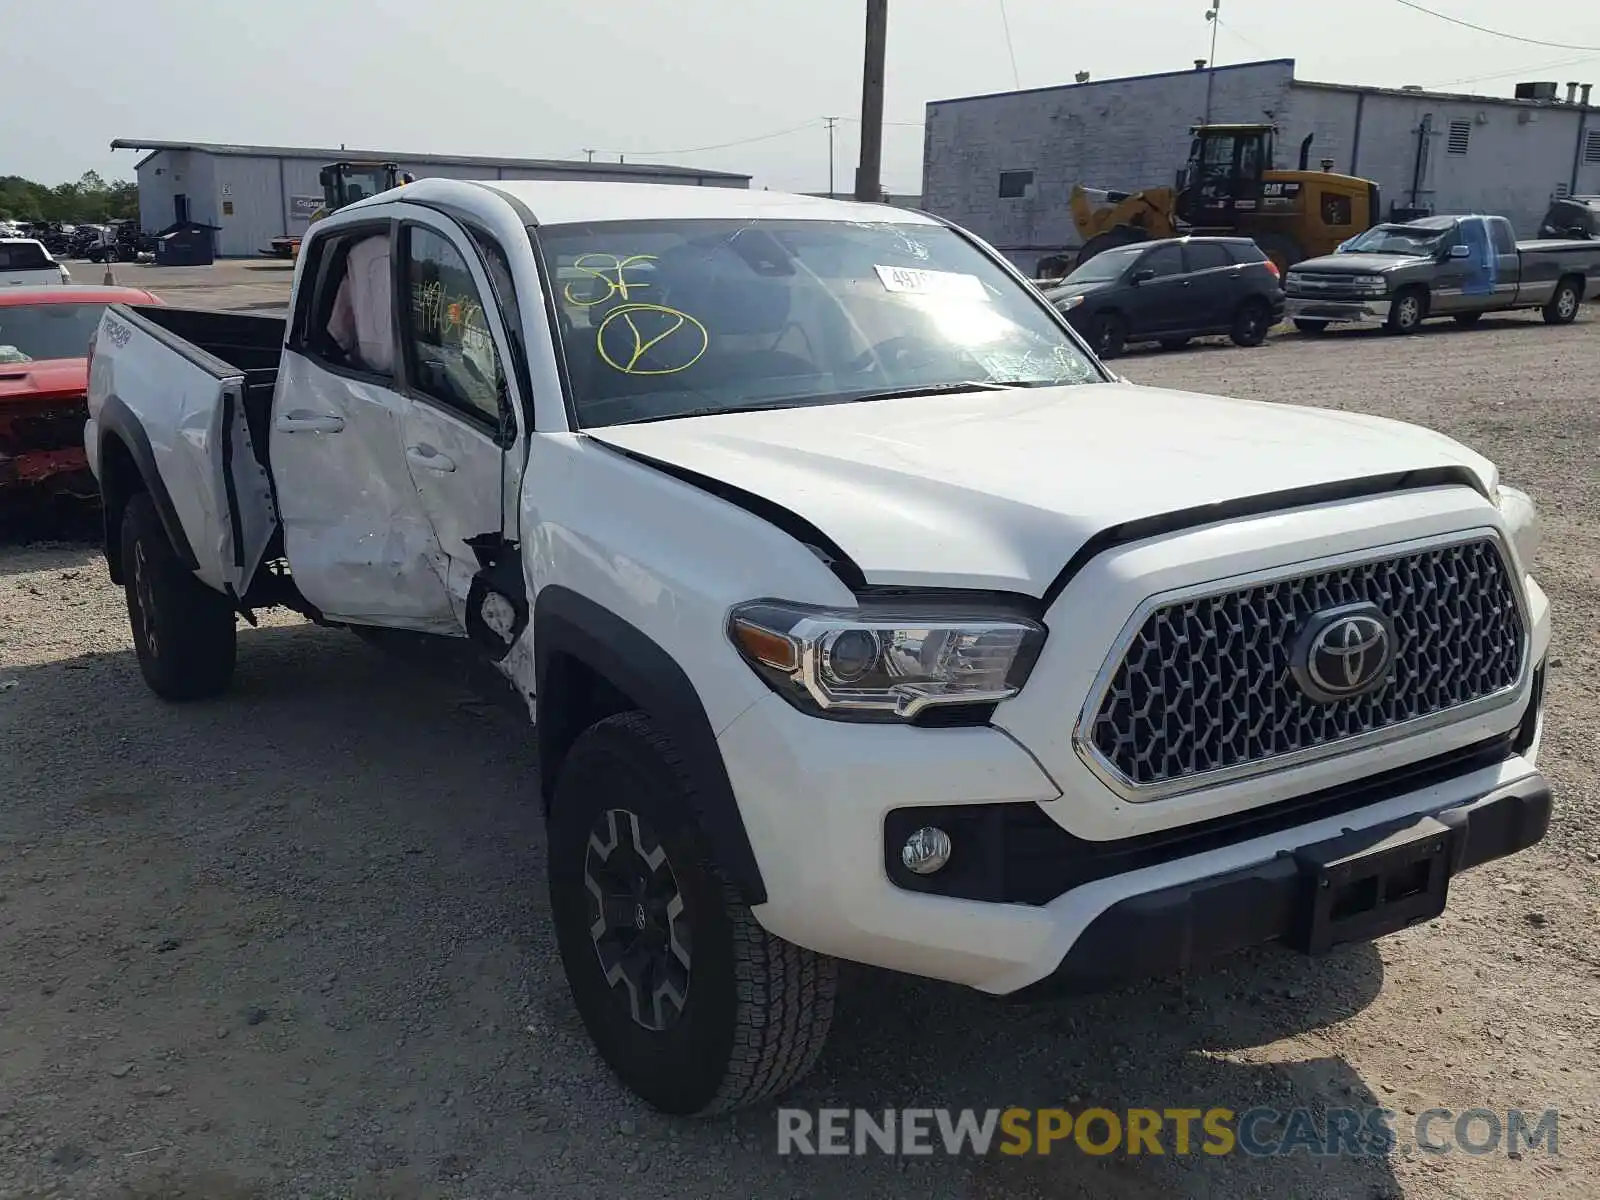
(1510, 37)
(760, 137)
(1011, 48)
(1232, 32)
(1520, 71)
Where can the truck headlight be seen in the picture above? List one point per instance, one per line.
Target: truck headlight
(1068, 303)
(1522, 522)
(885, 663)
(1371, 283)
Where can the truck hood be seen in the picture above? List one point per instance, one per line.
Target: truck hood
(47, 379)
(1358, 264)
(999, 489)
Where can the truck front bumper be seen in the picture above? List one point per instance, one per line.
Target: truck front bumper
(1308, 308)
(826, 806)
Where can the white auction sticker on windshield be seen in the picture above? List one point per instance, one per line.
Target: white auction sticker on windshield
(916, 281)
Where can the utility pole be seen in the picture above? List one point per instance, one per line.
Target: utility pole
(869, 184)
(832, 122)
(589, 152)
(1211, 63)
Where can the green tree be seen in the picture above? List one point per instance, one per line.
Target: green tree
(91, 198)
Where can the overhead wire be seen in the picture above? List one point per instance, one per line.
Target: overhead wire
(760, 137)
(1011, 48)
(1510, 37)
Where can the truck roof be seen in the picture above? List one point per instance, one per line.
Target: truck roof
(559, 202)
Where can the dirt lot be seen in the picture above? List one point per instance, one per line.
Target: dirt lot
(295, 942)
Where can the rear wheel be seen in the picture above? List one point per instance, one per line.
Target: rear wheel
(1283, 250)
(1251, 323)
(1313, 327)
(1407, 312)
(1562, 308)
(183, 632)
(690, 1001)
(1108, 334)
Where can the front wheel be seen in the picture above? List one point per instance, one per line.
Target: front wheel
(1108, 334)
(1562, 308)
(183, 632)
(1251, 323)
(1407, 312)
(689, 1000)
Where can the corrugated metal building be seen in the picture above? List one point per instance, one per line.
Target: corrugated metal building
(1004, 164)
(254, 193)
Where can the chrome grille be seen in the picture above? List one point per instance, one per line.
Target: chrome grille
(1205, 686)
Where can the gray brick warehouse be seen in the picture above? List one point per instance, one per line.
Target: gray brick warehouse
(254, 193)
(1004, 164)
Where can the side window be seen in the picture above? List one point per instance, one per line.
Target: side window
(1505, 241)
(1163, 260)
(450, 353)
(1246, 252)
(1337, 209)
(347, 317)
(1208, 256)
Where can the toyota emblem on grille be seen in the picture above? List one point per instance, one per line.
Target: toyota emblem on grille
(1344, 652)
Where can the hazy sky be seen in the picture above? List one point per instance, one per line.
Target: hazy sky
(548, 78)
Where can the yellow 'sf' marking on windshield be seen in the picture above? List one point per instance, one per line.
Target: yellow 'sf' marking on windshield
(650, 339)
(609, 269)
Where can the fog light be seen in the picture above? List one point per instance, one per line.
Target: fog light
(926, 851)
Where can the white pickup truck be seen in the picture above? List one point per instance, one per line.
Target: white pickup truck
(866, 616)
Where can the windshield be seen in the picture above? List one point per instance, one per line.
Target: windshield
(678, 317)
(359, 183)
(1107, 265)
(1418, 241)
(34, 332)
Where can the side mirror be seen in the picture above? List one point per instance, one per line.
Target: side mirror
(1143, 275)
(1460, 251)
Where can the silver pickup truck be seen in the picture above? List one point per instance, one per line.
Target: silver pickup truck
(1461, 267)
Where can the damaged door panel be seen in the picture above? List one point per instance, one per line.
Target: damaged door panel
(463, 444)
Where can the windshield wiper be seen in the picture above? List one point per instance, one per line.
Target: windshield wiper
(717, 410)
(937, 389)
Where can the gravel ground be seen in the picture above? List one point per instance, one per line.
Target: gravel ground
(294, 942)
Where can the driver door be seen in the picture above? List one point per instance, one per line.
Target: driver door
(358, 541)
(462, 431)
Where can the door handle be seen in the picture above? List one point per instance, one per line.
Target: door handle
(301, 421)
(429, 459)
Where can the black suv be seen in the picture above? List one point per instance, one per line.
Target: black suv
(1170, 291)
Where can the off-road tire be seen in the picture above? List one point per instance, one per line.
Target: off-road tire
(1407, 312)
(756, 1009)
(183, 632)
(1251, 324)
(1562, 307)
(1305, 325)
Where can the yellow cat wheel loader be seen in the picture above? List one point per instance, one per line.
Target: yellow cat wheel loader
(1228, 187)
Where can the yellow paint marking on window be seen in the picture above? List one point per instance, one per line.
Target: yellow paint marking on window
(684, 338)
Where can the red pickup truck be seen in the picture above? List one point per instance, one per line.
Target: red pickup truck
(44, 378)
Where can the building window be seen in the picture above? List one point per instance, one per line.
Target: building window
(1015, 185)
(1460, 136)
(1591, 146)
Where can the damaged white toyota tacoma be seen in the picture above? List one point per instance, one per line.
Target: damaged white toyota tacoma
(865, 614)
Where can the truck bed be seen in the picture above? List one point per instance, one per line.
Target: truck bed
(184, 396)
(248, 343)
